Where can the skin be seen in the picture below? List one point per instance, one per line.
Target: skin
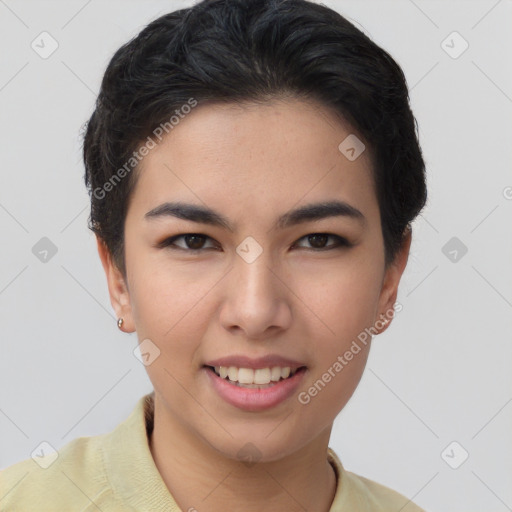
(251, 163)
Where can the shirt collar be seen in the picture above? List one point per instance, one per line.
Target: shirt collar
(130, 466)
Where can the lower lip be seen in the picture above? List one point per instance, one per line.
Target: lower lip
(254, 399)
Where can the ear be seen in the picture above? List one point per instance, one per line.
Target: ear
(390, 284)
(117, 287)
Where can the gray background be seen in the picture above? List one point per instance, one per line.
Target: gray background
(441, 373)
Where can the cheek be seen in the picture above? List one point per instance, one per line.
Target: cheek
(343, 297)
(345, 301)
(168, 300)
(346, 306)
(330, 387)
(167, 310)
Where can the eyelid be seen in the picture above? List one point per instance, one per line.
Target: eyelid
(340, 242)
(167, 242)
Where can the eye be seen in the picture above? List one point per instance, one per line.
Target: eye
(192, 242)
(318, 241)
(195, 242)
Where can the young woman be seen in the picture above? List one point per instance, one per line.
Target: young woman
(254, 169)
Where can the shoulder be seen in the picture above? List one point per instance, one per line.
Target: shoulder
(74, 478)
(380, 497)
(355, 492)
(89, 473)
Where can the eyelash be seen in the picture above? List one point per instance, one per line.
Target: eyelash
(168, 242)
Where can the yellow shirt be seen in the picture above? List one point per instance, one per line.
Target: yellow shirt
(116, 472)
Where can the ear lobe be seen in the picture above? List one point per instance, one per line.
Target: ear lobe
(118, 290)
(390, 284)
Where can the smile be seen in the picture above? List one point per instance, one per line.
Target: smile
(248, 377)
(254, 389)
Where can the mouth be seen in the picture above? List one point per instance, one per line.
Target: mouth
(259, 378)
(254, 384)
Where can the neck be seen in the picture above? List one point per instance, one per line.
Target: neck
(199, 477)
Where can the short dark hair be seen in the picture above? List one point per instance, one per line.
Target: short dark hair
(236, 51)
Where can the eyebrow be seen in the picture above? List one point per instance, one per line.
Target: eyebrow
(308, 213)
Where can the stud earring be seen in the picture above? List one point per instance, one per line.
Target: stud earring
(120, 323)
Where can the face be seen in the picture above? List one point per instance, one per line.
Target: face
(247, 273)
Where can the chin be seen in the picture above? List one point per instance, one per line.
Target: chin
(258, 444)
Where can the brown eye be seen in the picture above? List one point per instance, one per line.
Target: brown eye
(318, 241)
(194, 241)
(190, 242)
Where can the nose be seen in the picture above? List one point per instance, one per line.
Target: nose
(256, 299)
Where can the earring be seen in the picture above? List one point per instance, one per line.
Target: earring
(120, 323)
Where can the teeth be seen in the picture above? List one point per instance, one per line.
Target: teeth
(245, 375)
(232, 373)
(261, 376)
(275, 373)
(249, 376)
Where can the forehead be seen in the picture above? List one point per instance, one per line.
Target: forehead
(255, 157)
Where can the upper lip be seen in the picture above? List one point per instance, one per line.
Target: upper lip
(267, 361)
